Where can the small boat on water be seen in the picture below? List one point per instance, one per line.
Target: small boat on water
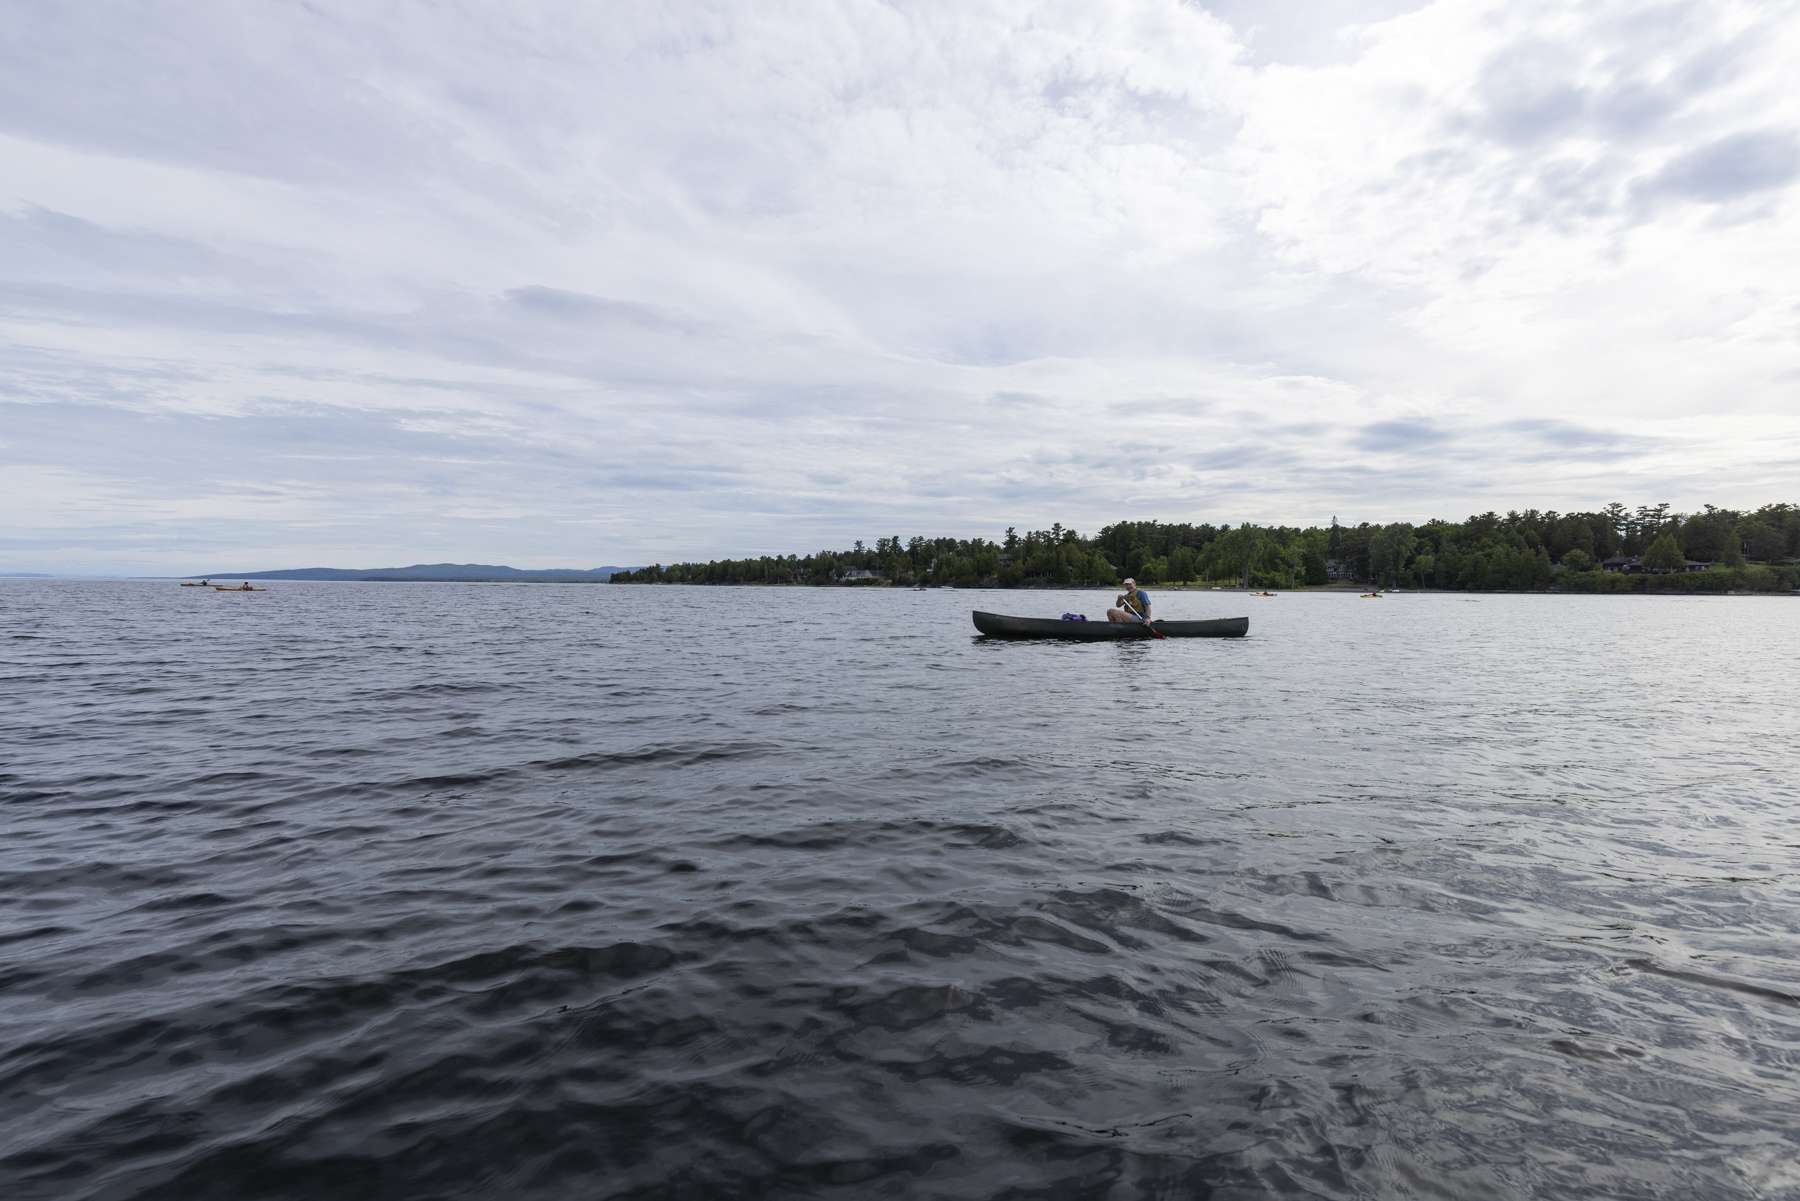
(1264, 595)
(1371, 596)
(235, 588)
(996, 625)
(200, 585)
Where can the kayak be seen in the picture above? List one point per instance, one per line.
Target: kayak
(995, 625)
(222, 588)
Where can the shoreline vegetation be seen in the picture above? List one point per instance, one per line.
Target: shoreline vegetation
(1613, 550)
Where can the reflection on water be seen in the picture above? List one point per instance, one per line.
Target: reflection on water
(392, 891)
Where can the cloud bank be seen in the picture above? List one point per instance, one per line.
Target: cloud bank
(551, 284)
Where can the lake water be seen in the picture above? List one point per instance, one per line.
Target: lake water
(431, 891)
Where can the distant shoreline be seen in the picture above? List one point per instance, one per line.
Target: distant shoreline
(1325, 589)
(220, 580)
(299, 579)
(1351, 590)
(424, 573)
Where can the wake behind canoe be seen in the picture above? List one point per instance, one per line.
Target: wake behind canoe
(996, 625)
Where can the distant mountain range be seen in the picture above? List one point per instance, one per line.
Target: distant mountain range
(465, 573)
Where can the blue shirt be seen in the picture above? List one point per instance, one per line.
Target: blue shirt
(1139, 600)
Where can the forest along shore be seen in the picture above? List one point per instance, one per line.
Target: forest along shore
(1613, 550)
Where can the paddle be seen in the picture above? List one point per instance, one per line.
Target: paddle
(1132, 609)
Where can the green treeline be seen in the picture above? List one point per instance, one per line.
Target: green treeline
(1710, 551)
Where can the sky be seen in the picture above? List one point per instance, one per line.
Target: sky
(350, 284)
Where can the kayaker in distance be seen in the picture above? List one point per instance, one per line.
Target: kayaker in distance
(1133, 604)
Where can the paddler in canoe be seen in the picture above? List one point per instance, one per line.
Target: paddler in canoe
(1133, 604)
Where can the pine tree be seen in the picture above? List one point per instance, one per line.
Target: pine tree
(1732, 553)
(1664, 554)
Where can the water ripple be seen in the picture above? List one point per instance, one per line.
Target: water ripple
(395, 891)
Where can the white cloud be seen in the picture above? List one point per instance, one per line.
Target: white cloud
(547, 284)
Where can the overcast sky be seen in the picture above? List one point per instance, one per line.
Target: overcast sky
(351, 284)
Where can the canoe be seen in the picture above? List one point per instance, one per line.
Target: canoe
(995, 625)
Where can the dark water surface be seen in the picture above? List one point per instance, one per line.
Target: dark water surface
(410, 890)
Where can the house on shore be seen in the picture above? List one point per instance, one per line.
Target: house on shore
(1634, 565)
